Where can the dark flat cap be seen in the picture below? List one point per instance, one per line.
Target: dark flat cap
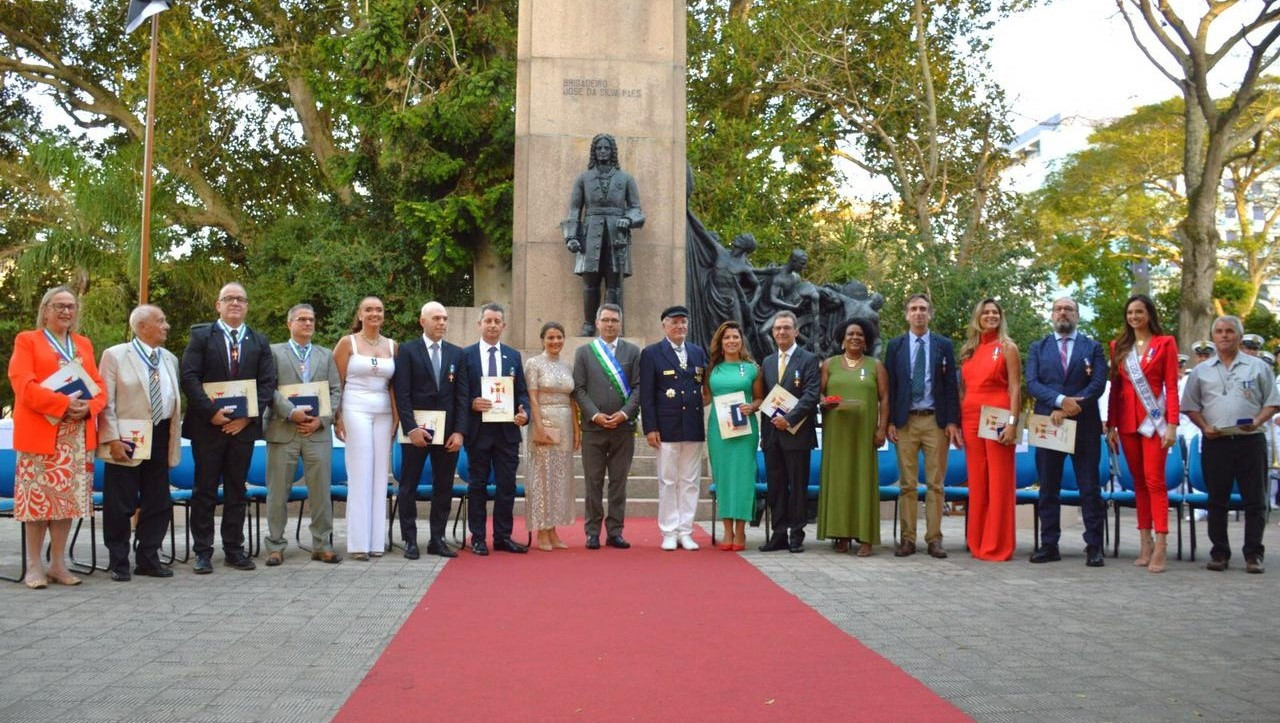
(676, 310)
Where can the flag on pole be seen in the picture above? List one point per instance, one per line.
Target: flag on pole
(140, 10)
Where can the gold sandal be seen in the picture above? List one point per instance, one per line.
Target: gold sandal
(69, 580)
(38, 583)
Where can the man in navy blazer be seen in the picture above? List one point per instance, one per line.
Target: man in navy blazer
(493, 446)
(222, 447)
(430, 375)
(671, 375)
(924, 414)
(1066, 373)
(786, 455)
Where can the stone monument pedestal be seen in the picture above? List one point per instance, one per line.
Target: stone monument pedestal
(586, 67)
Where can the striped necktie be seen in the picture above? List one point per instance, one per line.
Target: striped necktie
(157, 403)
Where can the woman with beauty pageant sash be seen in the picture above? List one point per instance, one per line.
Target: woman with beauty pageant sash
(1142, 418)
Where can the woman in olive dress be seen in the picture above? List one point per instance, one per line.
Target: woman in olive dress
(853, 429)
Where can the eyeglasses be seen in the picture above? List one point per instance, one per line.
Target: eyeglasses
(62, 307)
(305, 319)
(234, 300)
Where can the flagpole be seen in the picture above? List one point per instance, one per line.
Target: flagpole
(144, 251)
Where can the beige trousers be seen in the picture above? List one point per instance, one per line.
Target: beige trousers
(921, 433)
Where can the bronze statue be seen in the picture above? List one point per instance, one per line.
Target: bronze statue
(721, 284)
(603, 209)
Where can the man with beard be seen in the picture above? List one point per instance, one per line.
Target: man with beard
(1066, 373)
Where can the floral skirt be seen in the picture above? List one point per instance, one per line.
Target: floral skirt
(56, 486)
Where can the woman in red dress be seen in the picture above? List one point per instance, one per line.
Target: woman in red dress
(1142, 417)
(991, 375)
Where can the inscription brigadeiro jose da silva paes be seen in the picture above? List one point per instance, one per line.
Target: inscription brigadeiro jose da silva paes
(598, 87)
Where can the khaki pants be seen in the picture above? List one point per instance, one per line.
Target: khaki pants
(921, 433)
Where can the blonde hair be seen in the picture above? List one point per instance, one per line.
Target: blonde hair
(48, 297)
(973, 332)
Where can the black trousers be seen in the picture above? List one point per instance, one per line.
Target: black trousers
(1085, 462)
(1239, 460)
(443, 464)
(146, 488)
(787, 481)
(491, 453)
(224, 460)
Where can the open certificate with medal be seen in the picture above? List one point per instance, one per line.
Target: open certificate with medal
(135, 435)
(72, 380)
(992, 421)
(310, 397)
(501, 393)
(430, 420)
(1043, 433)
(780, 401)
(238, 398)
(729, 416)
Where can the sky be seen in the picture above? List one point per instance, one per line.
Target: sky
(1077, 58)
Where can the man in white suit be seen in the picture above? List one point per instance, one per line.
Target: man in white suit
(293, 430)
(141, 384)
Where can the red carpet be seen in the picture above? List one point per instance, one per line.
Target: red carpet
(636, 635)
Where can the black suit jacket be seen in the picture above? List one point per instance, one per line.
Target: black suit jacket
(803, 379)
(1086, 377)
(415, 385)
(946, 390)
(671, 397)
(512, 366)
(205, 360)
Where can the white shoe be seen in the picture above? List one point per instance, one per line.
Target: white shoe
(668, 542)
(686, 541)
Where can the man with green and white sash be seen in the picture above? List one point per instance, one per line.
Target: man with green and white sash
(604, 386)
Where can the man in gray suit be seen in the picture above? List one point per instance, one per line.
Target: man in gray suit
(294, 430)
(604, 385)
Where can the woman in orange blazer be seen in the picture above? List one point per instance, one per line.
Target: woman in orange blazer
(1145, 429)
(53, 482)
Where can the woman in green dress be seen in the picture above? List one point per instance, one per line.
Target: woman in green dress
(853, 429)
(733, 458)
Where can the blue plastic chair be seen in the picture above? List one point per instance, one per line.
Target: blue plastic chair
(8, 470)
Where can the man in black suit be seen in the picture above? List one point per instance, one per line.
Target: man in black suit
(430, 375)
(671, 374)
(493, 446)
(605, 376)
(924, 414)
(1066, 373)
(786, 455)
(221, 446)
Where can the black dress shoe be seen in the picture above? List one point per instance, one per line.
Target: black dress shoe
(1047, 553)
(161, 571)
(120, 576)
(1093, 556)
(777, 542)
(593, 542)
(506, 544)
(239, 561)
(479, 548)
(617, 541)
(203, 566)
(796, 546)
(411, 551)
(1218, 564)
(440, 548)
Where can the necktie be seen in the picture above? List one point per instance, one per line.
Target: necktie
(917, 372)
(154, 392)
(305, 366)
(1062, 353)
(435, 360)
(782, 364)
(493, 361)
(235, 352)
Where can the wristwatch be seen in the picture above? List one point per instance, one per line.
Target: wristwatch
(1013, 419)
